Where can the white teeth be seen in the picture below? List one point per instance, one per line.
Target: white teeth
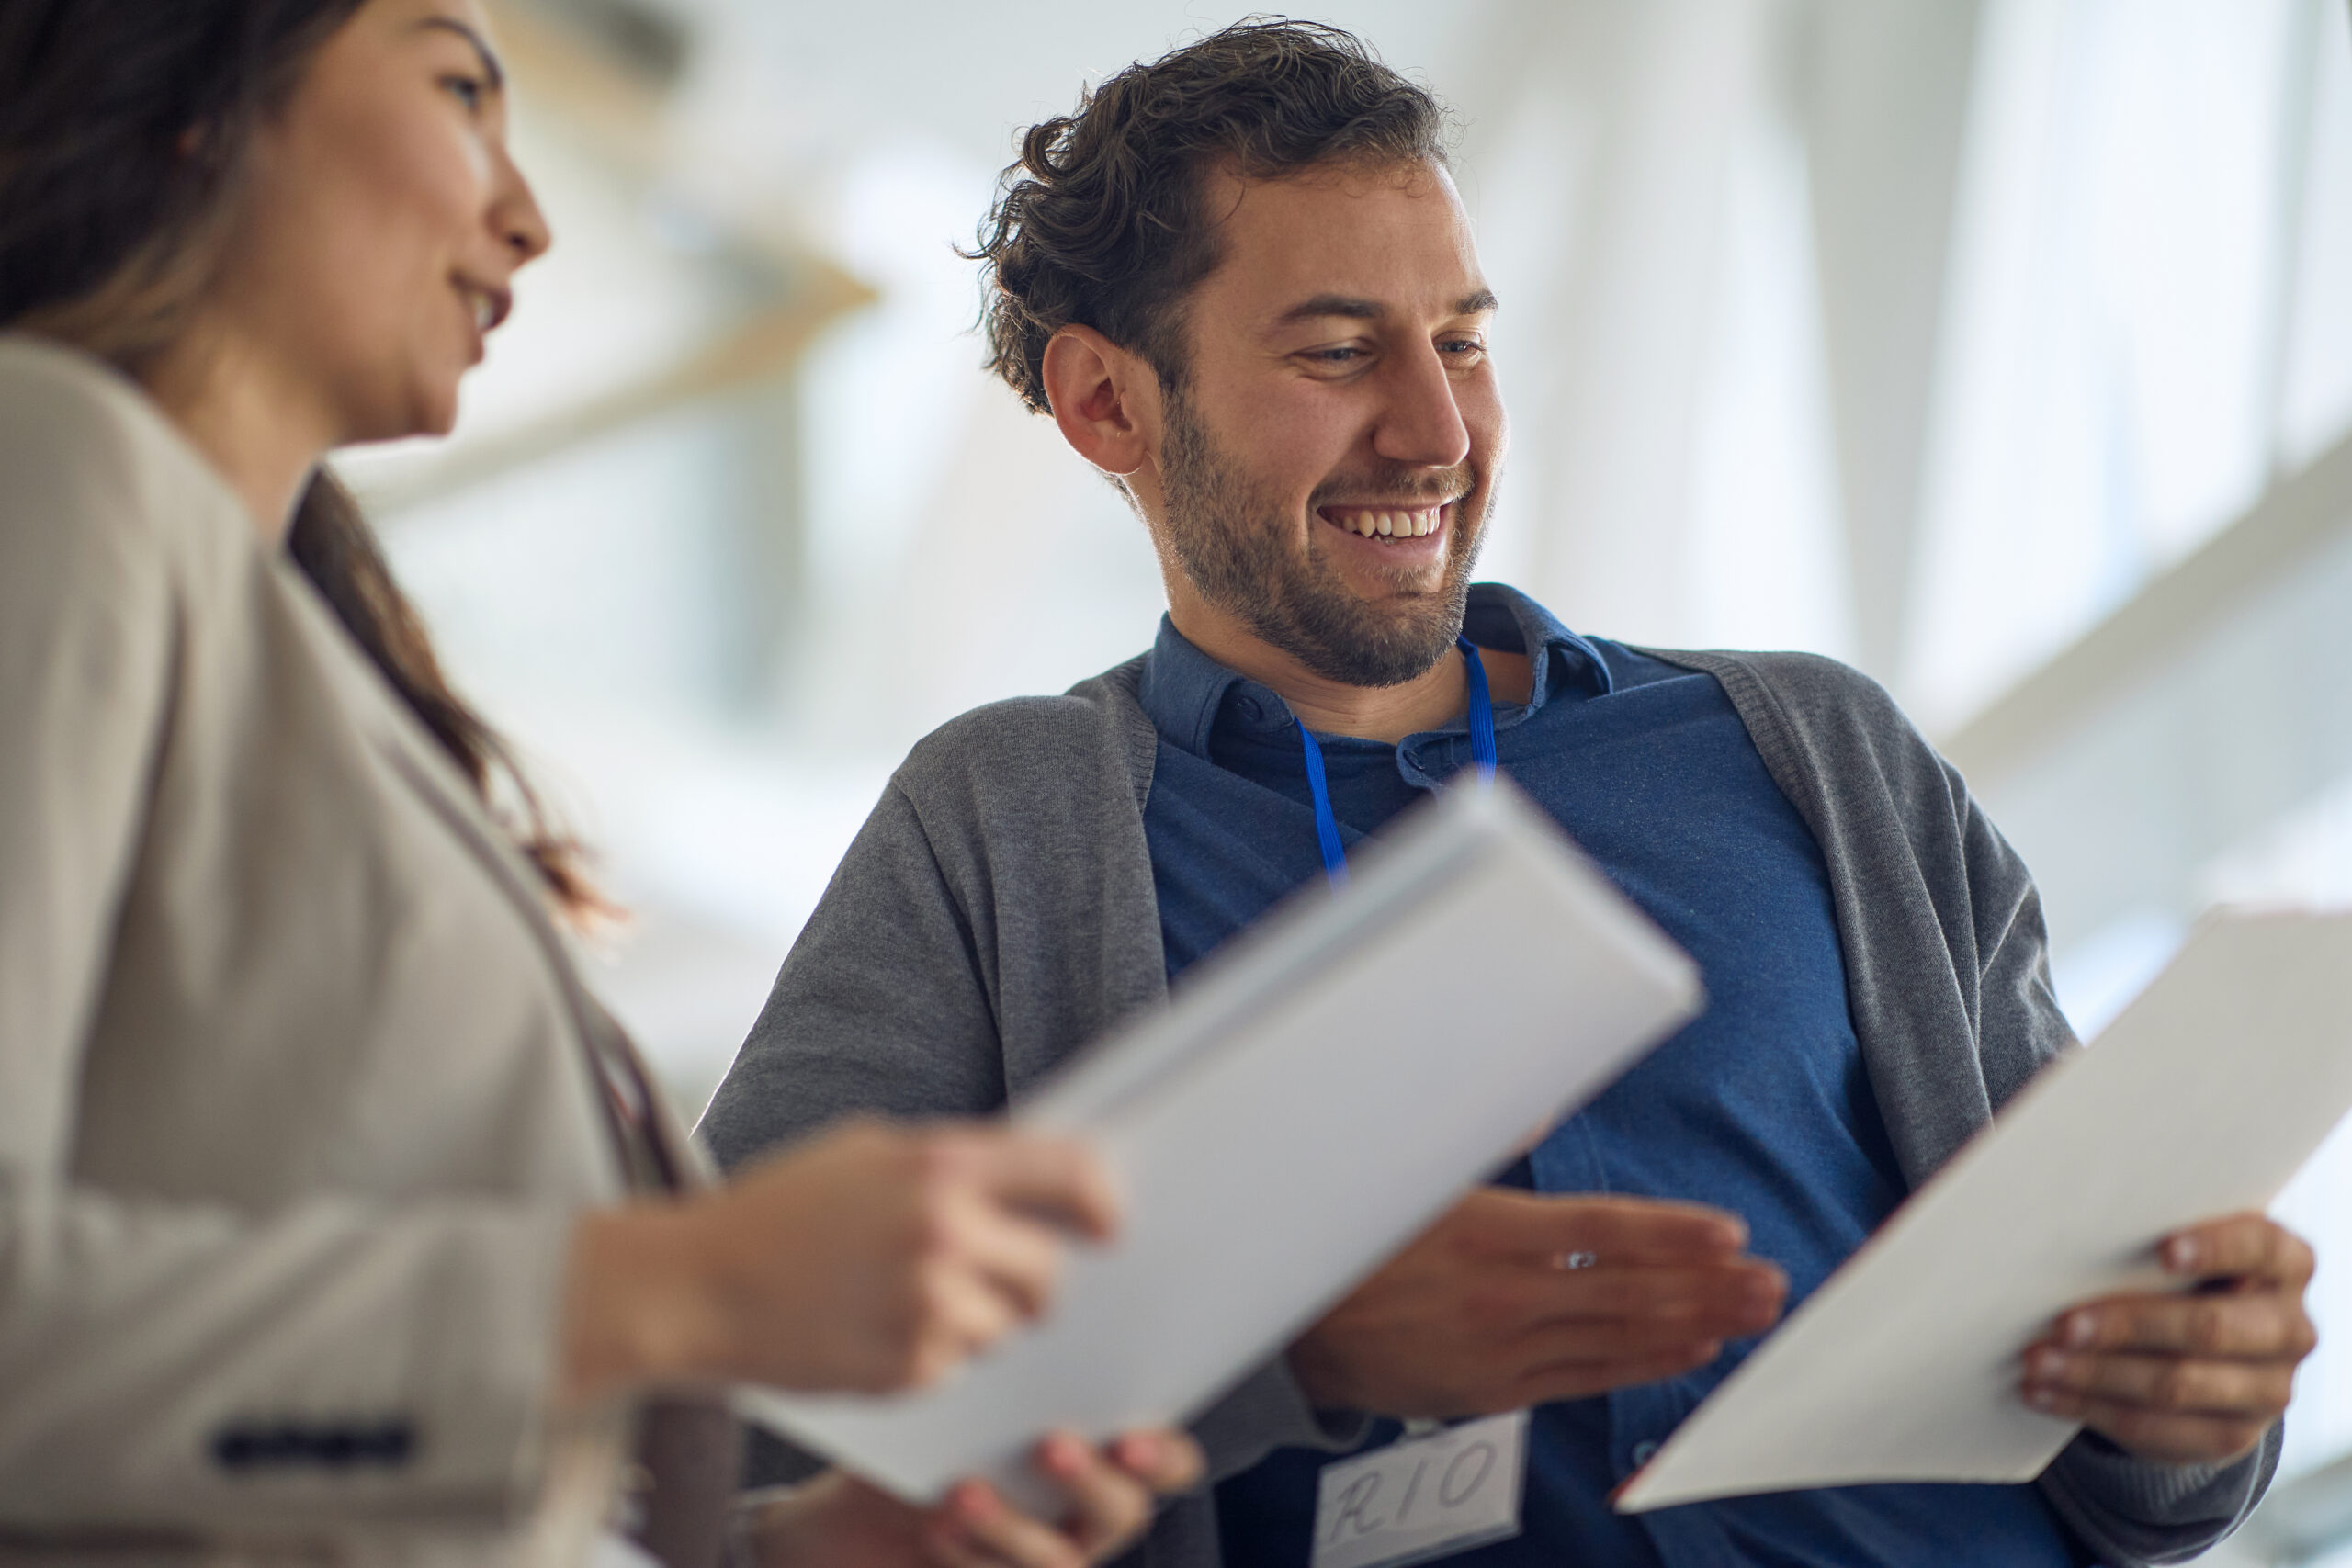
(1388, 524)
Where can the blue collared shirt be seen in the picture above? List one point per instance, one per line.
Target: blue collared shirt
(1761, 1106)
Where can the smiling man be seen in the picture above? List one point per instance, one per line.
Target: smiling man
(1241, 282)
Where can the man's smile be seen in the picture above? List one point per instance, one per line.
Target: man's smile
(1396, 521)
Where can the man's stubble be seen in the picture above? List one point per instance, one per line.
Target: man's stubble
(1233, 542)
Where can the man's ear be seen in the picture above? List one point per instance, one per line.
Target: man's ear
(1106, 399)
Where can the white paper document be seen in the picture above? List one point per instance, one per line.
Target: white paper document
(1321, 1089)
(2201, 1099)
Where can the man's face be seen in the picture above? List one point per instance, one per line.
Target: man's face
(1330, 453)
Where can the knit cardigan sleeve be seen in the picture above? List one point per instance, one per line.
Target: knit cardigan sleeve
(995, 915)
(1947, 982)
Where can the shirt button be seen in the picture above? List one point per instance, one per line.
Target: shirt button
(1643, 1452)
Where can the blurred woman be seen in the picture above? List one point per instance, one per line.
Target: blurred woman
(336, 1219)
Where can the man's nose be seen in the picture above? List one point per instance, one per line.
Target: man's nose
(1421, 422)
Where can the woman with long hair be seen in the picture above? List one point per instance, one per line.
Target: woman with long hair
(336, 1219)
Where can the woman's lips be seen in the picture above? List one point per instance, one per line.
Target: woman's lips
(488, 306)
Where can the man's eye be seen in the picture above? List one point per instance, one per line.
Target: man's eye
(1347, 354)
(1463, 347)
(467, 90)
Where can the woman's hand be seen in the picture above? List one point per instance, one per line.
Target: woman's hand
(872, 1258)
(2188, 1378)
(837, 1521)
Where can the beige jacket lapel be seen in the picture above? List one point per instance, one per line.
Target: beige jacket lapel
(411, 753)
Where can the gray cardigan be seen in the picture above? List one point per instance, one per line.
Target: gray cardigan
(997, 912)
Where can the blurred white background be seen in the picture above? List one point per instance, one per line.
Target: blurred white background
(2001, 347)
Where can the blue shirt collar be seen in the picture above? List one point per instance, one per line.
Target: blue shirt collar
(1185, 691)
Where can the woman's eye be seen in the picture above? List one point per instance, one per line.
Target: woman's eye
(467, 90)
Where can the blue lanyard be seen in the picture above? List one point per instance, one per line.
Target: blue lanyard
(1482, 756)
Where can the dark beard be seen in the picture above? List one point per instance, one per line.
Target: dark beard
(1233, 543)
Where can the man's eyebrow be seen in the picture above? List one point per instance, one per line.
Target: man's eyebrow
(1357, 310)
(1331, 305)
(490, 66)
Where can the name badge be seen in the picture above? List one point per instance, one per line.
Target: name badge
(1423, 1496)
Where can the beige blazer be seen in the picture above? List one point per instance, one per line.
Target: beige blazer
(298, 1093)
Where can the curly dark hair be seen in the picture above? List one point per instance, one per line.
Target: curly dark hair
(1100, 222)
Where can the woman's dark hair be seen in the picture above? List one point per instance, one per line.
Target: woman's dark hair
(124, 126)
(1100, 222)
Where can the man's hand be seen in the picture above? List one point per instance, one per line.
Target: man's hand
(1517, 1299)
(2193, 1377)
(838, 1522)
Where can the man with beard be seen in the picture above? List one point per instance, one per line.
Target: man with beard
(1240, 281)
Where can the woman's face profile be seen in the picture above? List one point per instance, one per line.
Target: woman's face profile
(381, 222)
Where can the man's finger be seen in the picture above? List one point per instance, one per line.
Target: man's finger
(1641, 1230)
(945, 1532)
(2238, 1247)
(1167, 1462)
(2262, 1324)
(992, 1531)
(1105, 1503)
(2246, 1389)
(1726, 1300)
(947, 1546)
(1619, 1337)
(1614, 1230)
(2164, 1434)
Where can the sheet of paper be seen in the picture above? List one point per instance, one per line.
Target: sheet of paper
(2201, 1099)
(1321, 1089)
